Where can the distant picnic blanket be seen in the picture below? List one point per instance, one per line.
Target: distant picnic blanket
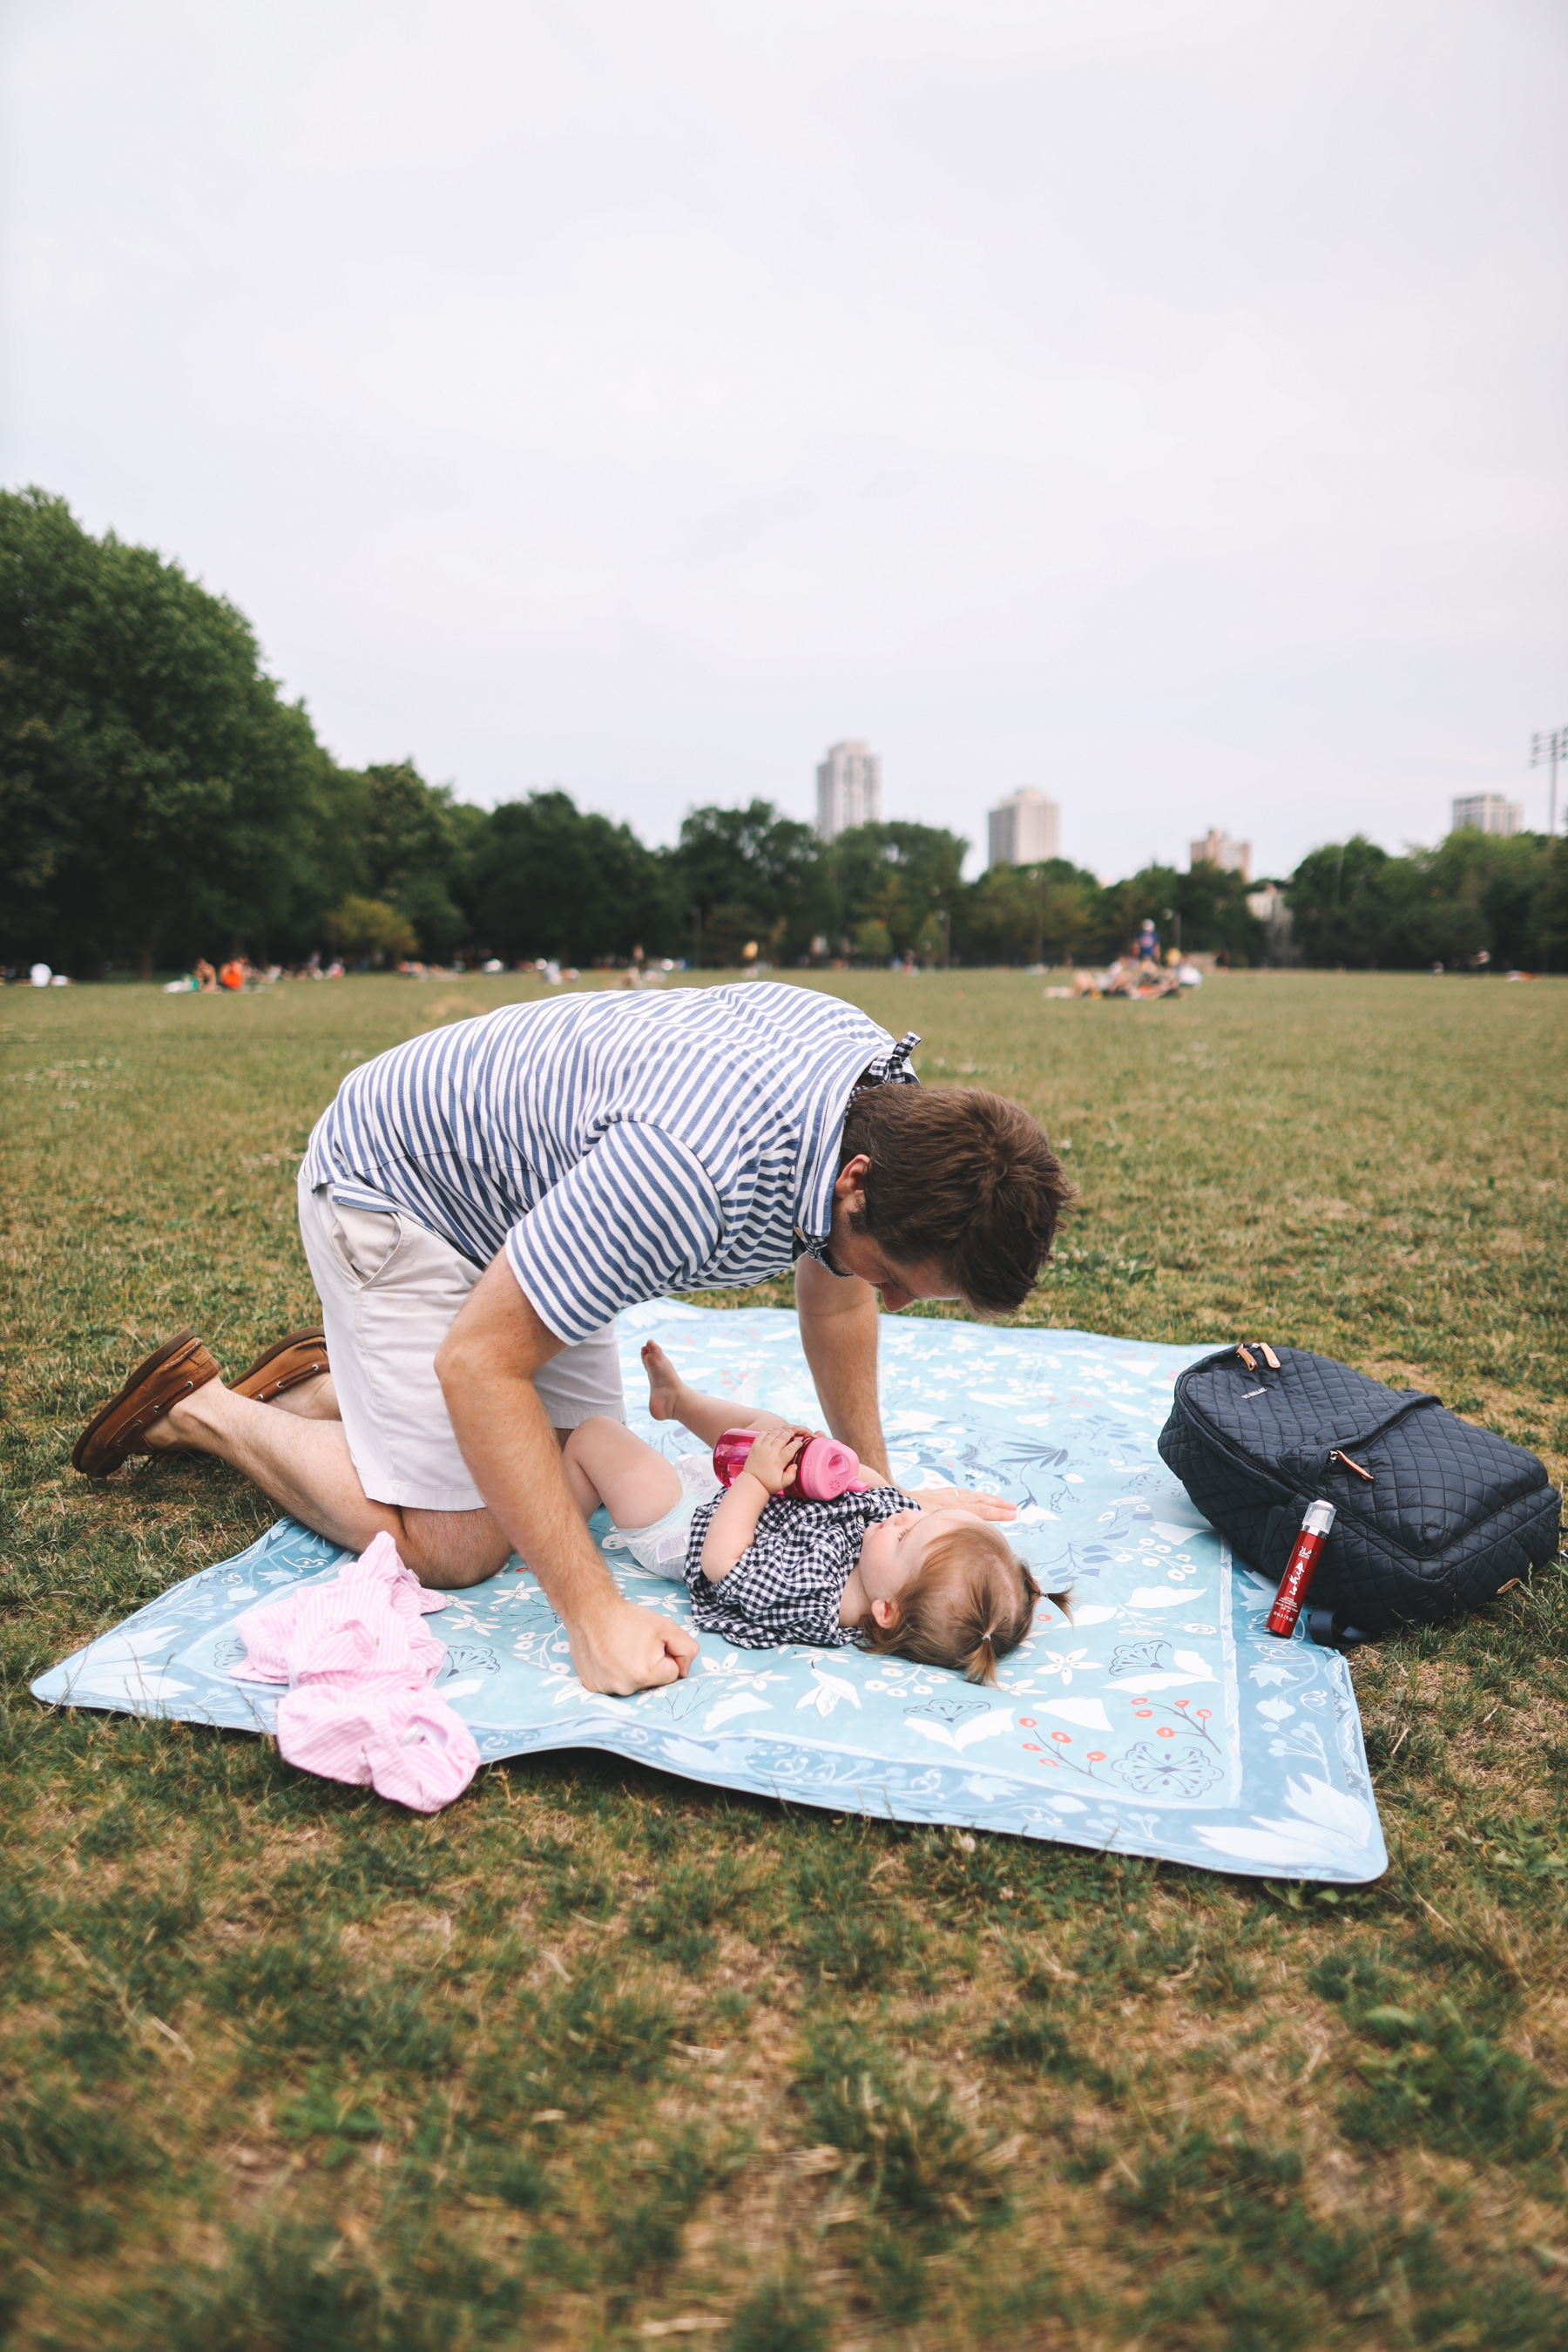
(1162, 1721)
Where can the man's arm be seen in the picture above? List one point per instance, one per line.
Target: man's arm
(486, 1366)
(838, 1318)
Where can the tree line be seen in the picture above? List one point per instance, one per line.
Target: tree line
(161, 800)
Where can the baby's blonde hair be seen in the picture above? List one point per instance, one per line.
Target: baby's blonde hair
(972, 1601)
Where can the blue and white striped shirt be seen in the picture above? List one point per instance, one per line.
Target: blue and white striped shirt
(618, 1146)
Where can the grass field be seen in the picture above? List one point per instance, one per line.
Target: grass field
(599, 2058)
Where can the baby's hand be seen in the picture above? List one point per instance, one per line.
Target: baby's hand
(774, 1454)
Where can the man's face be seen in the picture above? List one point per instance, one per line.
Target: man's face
(854, 1252)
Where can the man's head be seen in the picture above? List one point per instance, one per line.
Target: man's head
(945, 1192)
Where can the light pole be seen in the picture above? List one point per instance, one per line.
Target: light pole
(1545, 750)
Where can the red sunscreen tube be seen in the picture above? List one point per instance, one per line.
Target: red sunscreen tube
(1300, 1567)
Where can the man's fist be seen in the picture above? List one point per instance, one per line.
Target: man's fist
(622, 1648)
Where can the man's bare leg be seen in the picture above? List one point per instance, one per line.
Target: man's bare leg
(314, 1400)
(707, 1417)
(302, 1464)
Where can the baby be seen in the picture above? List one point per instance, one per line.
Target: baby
(939, 1586)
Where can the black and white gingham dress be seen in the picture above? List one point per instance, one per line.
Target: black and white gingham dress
(787, 1584)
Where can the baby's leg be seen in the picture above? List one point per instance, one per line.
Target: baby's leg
(607, 1463)
(669, 1399)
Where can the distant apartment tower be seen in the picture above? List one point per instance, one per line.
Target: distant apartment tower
(848, 789)
(1217, 848)
(1487, 813)
(1022, 829)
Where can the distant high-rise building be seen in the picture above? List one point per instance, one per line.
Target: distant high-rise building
(1022, 829)
(1217, 848)
(1487, 813)
(848, 789)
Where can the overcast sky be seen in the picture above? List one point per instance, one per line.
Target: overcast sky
(1159, 402)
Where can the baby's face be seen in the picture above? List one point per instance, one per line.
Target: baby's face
(891, 1551)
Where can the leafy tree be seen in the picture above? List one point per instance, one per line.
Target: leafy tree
(369, 930)
(746, 874)
(890, 887)
(1339, 901)
(1475, 892)
(1032, 914)
(1475, 895)
(418, 845)
(550, 880)
(1212, 903)
(1144, 897)
(161, 795)
(1547, 941)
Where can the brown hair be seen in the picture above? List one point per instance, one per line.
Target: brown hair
(972, 1601)
(960, 1176)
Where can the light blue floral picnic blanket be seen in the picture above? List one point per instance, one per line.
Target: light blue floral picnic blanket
(1162, 1720)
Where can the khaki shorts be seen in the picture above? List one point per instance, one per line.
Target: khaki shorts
(390, 1291)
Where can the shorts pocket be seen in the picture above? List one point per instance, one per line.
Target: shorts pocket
(366, 1240)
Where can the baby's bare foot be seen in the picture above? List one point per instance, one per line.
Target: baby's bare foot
(663, 1381)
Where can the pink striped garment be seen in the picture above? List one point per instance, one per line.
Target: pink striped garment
(359, 1662)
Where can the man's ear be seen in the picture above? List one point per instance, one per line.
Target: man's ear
(849, 1186)
(885, 1613)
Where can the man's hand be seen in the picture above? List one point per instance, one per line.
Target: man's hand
(620, 1648)
(962, 1499)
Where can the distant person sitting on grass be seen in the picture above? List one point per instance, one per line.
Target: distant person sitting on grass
(938, 1585)
(477, 1206)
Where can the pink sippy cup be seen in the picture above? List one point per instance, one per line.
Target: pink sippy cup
(822, 1468)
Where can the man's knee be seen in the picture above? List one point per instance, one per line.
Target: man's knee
(448, 1550)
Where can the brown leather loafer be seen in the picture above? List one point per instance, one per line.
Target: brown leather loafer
(173, 1370)
(300, 1356)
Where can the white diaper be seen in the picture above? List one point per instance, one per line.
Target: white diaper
(661, 1547)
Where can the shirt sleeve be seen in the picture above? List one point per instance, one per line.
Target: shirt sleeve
(637, 1216)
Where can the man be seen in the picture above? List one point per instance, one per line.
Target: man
(477, 1205)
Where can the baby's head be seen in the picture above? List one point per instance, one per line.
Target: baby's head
(970, 1601)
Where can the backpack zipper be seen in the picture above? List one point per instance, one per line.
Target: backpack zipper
(1282, 1487)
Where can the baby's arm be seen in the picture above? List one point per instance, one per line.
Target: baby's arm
(733, 1526)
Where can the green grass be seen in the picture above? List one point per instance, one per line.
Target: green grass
(597, 2058)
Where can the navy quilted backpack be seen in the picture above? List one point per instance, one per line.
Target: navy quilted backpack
(1434, 1516)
